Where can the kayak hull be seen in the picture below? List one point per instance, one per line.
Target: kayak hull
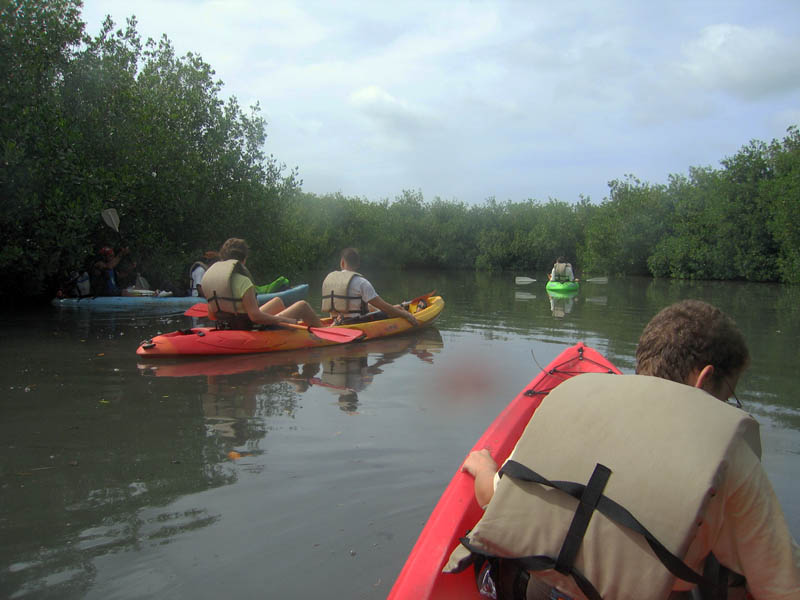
(562, 287)
(156, 304)
(205, 341)
(457, 510)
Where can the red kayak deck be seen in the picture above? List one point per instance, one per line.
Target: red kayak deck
(457, 510)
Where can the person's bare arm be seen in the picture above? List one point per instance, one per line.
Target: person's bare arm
(482, 467)
(393, 311)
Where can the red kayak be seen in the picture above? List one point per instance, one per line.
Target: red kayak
(457, 510)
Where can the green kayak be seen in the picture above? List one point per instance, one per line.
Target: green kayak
(562, 287)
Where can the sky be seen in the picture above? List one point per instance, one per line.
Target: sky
(513, 100)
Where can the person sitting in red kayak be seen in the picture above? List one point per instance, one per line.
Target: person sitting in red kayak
(228, 287)
(346, 294)
(742, 525)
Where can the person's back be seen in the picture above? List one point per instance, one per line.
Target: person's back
(198, 268)
(229, 290)
(346, 294)
(694, 345)
(562, 271)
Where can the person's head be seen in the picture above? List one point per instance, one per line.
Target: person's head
(695, 343)
(107, 252)
(211, 256)
(350, 259)
(234, 249)
(561, 259)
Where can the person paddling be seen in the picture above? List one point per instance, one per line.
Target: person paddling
(228, 287)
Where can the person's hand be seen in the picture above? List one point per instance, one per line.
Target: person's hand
(411, 319)
(478, 461)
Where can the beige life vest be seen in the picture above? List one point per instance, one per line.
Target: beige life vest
(667, 446)
(216, 286)
(335, 296)
(561, 271)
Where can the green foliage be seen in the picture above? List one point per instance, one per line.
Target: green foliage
(110, 121)
(623, 232)
(88, 123)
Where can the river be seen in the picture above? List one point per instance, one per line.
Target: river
(296, 475)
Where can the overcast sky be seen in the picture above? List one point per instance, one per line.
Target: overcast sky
(475, 99)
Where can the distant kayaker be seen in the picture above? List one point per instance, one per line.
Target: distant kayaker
(346, 294)
(741, 523)
(562, 271)
(199, 268)
(107, 279)
(228, 287)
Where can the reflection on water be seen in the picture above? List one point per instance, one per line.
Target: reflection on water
(353, 367)
(561, 304)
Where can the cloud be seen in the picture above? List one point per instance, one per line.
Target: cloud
(396, 116)
(750, 64)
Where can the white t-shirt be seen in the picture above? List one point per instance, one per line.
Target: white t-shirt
(197, 277)
(359, 286)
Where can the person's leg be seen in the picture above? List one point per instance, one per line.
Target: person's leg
(302, 310)
(272, 306)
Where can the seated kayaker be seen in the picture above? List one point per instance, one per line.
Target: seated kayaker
(199, 268)
(729, 514)
(562, 271)
(348, 295)
(108, 278)
(228, 287)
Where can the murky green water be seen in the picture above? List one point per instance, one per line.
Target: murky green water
(117, 478)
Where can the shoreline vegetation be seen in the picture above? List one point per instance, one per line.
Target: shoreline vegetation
(111, 121)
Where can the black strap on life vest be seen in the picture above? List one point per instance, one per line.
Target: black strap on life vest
(364, 306)
(712, 584)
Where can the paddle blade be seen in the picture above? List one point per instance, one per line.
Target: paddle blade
(111, 218)
(524, 280)
(597, 280)
(198, 310)
(340, 335)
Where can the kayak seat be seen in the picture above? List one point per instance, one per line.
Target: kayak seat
(375, 315)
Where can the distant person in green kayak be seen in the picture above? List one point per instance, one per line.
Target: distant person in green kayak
(562, 271)
(346, 294)
(228, 287)
(199, 268)
(696, 344)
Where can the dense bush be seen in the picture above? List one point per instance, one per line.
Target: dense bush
(89, 123)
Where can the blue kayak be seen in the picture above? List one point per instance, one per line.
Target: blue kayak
(157, 304)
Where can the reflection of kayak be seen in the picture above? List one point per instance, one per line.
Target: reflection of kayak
(152, 303)
(422, 341)
(562, 287)
(210, 341)
(457, 511)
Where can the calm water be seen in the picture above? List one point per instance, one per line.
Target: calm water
(117, 478)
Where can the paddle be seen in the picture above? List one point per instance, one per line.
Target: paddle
(340, 335)
(597, 280)
(111, 218)
(524, 280)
